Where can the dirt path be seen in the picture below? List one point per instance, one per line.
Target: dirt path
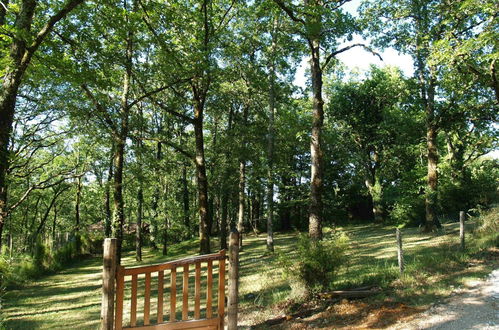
(476, 307)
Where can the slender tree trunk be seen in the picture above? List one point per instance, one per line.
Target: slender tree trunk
(156, 199)
(107, 201)
(270, 148)
(240, 216)
(54, 226)
(120, 143)
(223, 221)
(202, 180)
(165, 224)
(432, 149)
(316, 179)
(118, 204)
(77, 214)
(374, 187)
(185, 198)
(431, 195)
(138, 230)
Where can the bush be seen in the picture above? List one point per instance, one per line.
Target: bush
(315, 264)
(487, 232)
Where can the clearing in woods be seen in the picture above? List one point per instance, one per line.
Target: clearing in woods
(71, 298)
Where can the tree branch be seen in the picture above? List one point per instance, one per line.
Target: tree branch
(289, 12)
(42, 34)
(344, 49)
(99, 108)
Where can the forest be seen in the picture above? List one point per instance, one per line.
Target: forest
(164, 122)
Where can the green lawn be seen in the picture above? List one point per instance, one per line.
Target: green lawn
(71, 298)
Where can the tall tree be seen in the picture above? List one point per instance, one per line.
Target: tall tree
(18, 50)
(321, 24)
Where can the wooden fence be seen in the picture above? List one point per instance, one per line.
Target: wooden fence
(118, 280)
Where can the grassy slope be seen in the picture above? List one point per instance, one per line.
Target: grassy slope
(71, 299)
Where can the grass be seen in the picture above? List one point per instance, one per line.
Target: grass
(71, 298)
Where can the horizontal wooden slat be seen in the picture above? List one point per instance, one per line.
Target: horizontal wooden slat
(173, 264)
(191, 324)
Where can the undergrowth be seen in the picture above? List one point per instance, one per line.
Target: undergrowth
(17, 270)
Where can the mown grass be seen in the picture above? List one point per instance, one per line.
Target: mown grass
(71, 298)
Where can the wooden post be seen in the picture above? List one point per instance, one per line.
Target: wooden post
(108, 284)
(400, 252)
(221, 290)
(462, 217)
(233, 280)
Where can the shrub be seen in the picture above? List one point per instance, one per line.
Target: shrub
(487, 232)
(315, 263)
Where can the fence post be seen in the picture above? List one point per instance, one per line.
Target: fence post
(108, 284)
(233, 280)
(400, 252)
(462, 217)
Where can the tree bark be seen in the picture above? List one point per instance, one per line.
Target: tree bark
(270, 145)
(240, 215)
(202, 180)
(107, 201)
(120, 143)
(138, 230)
(432, 150)
(185, 198)
(316, 179)
(223, 221)
(77, 213)
(374, 187)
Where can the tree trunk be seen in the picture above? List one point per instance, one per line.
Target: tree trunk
(431, 194)
(107, 201)
(316, 179)
(240, 214)
(118, 204)
(155, 200)
(185, 198)
(374, 187)
(223, 221)
(202, 180)
(270, 150)
(54, 226)
(432, 149)
(77, 214)
(138, 230)
(165, 224)
(120, 143)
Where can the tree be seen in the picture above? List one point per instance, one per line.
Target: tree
(370, 114)
(321, 24)
(19, 43)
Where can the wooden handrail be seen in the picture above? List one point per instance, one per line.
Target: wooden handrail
(174, 264)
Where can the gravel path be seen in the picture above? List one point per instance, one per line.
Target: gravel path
(476, 307)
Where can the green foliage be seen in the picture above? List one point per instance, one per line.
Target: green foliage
(315, 263)
(487, 232)
(408, 210)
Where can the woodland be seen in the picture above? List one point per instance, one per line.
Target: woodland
(160, 122)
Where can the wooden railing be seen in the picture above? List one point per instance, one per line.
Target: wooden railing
(208, 321)
(150, 284)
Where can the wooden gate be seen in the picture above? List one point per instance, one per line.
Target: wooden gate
(150, 284)
(209, 321)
